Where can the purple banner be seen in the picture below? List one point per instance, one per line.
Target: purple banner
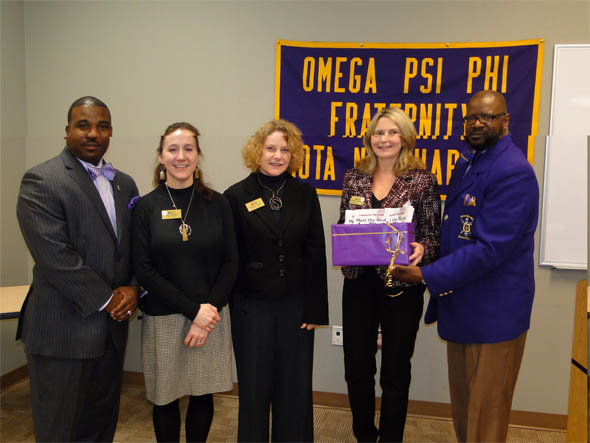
(331, 91)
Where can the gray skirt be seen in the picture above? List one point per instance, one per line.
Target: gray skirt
(173, 370)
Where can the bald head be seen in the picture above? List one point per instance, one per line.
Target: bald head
(494, 97)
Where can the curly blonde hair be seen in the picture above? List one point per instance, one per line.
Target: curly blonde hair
(252, 150)
(406, 159)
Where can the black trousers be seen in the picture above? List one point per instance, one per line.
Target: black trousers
(76, 399)
(365, 308)
(274, 358)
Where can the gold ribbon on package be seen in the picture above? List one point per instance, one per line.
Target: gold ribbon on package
(373, 245)
(394, 253)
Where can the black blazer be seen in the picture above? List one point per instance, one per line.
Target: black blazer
(78, 259)
(286, 258)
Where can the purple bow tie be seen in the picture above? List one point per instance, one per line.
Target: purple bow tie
(107, 171)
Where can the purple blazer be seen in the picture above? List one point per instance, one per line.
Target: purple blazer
(483, 285)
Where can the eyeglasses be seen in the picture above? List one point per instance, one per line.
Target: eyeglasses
(486, 119)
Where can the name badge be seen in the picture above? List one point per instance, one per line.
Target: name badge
(357, 200)
(254, 204)
(168, 214)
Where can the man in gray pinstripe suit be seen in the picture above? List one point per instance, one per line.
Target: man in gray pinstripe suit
(74, 213)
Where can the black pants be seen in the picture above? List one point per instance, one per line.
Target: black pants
(199, 416)
(274, 358)
(76, 399)
(365, 307)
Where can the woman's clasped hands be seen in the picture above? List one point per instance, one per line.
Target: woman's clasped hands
(205, 321)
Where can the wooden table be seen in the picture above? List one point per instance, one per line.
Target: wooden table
(577, 414)
(11, 300)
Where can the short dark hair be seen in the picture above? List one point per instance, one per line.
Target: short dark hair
(87, 101)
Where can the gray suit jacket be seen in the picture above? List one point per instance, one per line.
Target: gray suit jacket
(78, 259)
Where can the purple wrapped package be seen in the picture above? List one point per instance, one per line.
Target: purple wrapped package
(371, 245)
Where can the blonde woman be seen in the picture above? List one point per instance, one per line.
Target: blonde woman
(281, 291)
(387, 177)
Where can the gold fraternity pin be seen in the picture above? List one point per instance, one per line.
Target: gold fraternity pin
(254, 204)
(168, 214)
(357, 200)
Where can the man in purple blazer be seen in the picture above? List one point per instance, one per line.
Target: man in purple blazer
(482, 287)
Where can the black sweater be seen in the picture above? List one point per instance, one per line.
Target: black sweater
(178, 275)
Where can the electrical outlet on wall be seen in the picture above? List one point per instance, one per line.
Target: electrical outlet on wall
(337, 335)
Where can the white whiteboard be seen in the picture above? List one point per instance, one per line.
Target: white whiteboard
(564, 222)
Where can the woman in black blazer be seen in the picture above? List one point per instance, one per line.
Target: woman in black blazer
(281, 291)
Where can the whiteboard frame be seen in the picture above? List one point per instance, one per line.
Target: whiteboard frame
(542, 260)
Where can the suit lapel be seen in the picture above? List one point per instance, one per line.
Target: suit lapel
(120, 205)
(456, 184)
(79, 174)
(264, 213)
(461, 180)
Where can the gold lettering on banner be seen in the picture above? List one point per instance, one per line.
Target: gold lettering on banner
(333, 118)
(359, 154)
(318, 162)
(324, 164)
(504, 74)
(473, 72)
(452, 157)
(410, 72)
(329, 168)
(451, 160)
(304, 168)
(426, 89)
(351, 116)
(366, 119)
(412, 111)
(436, 167)
(463, 114)
(371, 80)
(450, 107)
(490, 75)
(308, 73)
(437, 122)
(425, 126)
(338, 75)
(431, 119)
(324, 70)
(439, 69)
(354, 80)
(491, 72)
(420, 154)
(427, 73)
(330, 75)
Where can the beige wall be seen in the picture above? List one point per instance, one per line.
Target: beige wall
(13, 256)
(212, 63)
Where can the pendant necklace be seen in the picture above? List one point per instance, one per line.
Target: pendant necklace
(184, 229)
(275, 201)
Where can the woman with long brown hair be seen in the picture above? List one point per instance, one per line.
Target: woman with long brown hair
(185, 256)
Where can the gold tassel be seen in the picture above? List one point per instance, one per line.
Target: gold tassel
(162, 173)
(184, 235)
(197, 174)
